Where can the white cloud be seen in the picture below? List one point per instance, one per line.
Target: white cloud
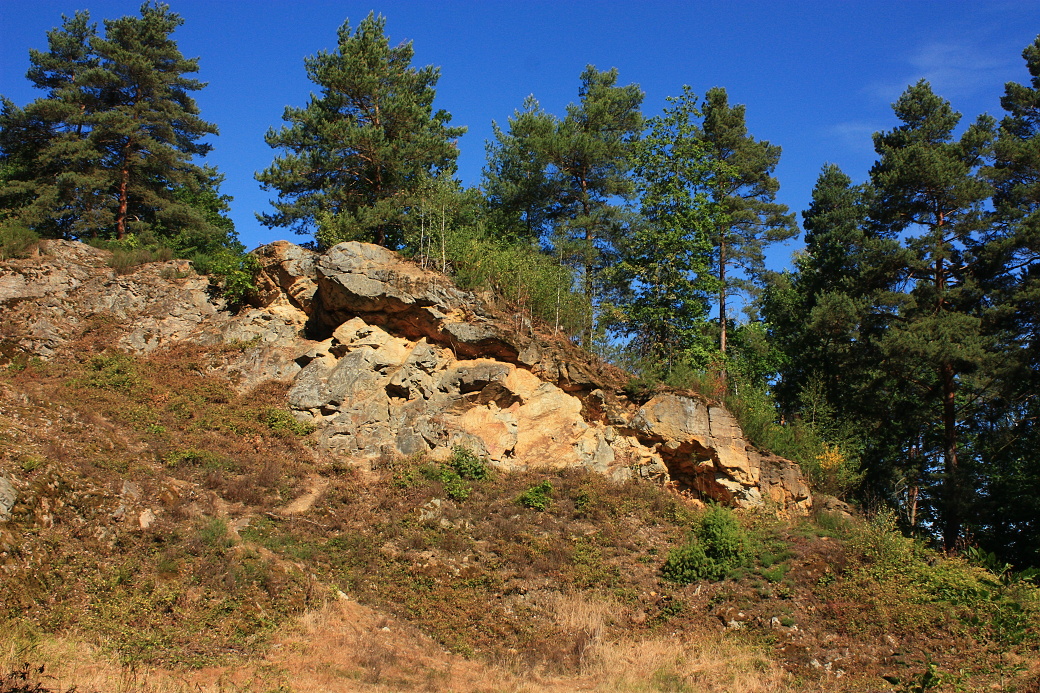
(955, 69)
(855, 136)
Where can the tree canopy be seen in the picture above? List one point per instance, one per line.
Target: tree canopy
(356, 156)
(109, 149)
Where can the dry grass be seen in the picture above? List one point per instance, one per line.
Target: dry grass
(345, 647)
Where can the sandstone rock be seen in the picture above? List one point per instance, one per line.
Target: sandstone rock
(146, 519)
(286, 283)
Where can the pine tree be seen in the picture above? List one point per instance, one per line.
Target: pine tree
(743, 190)
(829, 314)
(665, 266)
(518, 191)
(566, 180)
(109, 150)
(928, 182)
(357, 153)
(590, 157)
(1006, 432)
(52, 163)
(149, 126)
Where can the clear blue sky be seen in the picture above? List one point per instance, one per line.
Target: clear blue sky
(817, 77)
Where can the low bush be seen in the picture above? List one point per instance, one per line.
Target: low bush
(17, 241)
(717, 548)
(537, 497)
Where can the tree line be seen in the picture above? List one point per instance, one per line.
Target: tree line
(896, 360)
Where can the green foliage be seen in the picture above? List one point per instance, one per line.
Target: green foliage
(125, 260)
(111, 371)
(929, 679)
(564, 178)
(745, 217)
(717, 548)
(357, 155)
(519, 275)
(108, 150)
(232, 272)
(214, 534)
(928, 183)
(664, 275)
(283, 422)
(16, 240)
(538, 497)
(467, 465)
(833, 468)
(196, 458)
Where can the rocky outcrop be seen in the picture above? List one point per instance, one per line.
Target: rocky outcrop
(410, 363)
(387, 358)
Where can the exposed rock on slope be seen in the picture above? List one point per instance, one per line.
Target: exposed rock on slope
(388, 358)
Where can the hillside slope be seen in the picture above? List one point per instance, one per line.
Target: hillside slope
(176, 514)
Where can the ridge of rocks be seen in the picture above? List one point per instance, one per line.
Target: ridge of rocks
(388, 358)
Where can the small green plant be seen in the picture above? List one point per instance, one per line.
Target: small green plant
(283, 422)
(214, 534)
(455, 488)
(112, 371)
(467, 465)
(927, 680)
(196, 458)
(30, 463)
(717, 548)
(775, 573)
(232, 274)
(537, 497)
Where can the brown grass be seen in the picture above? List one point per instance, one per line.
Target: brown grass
(346, 647)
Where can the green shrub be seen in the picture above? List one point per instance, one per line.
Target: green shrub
(17, 241)
(196, 458)
(537, 497)
(112, 371)
(717, 548)
(233, 274)
(467, 465)
(283, 422)
(124, 260)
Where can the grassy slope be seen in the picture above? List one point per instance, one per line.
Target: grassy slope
(475, 593)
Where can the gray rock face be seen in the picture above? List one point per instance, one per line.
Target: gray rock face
(8, 497)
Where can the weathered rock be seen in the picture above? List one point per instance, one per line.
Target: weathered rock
(408, 363)
(286, 283)
(8, 497)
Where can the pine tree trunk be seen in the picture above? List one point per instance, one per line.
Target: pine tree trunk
(951, 483)
(586, 338)
(124, 188)
(722, 295)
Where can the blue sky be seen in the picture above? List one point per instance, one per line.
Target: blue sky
(817, 77)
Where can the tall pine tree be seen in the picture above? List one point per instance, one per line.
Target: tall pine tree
(928, 183)
(109, 149)
(590, 159)
(357, 155)
(518, 189)
(743, 189)
(1007, 432)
